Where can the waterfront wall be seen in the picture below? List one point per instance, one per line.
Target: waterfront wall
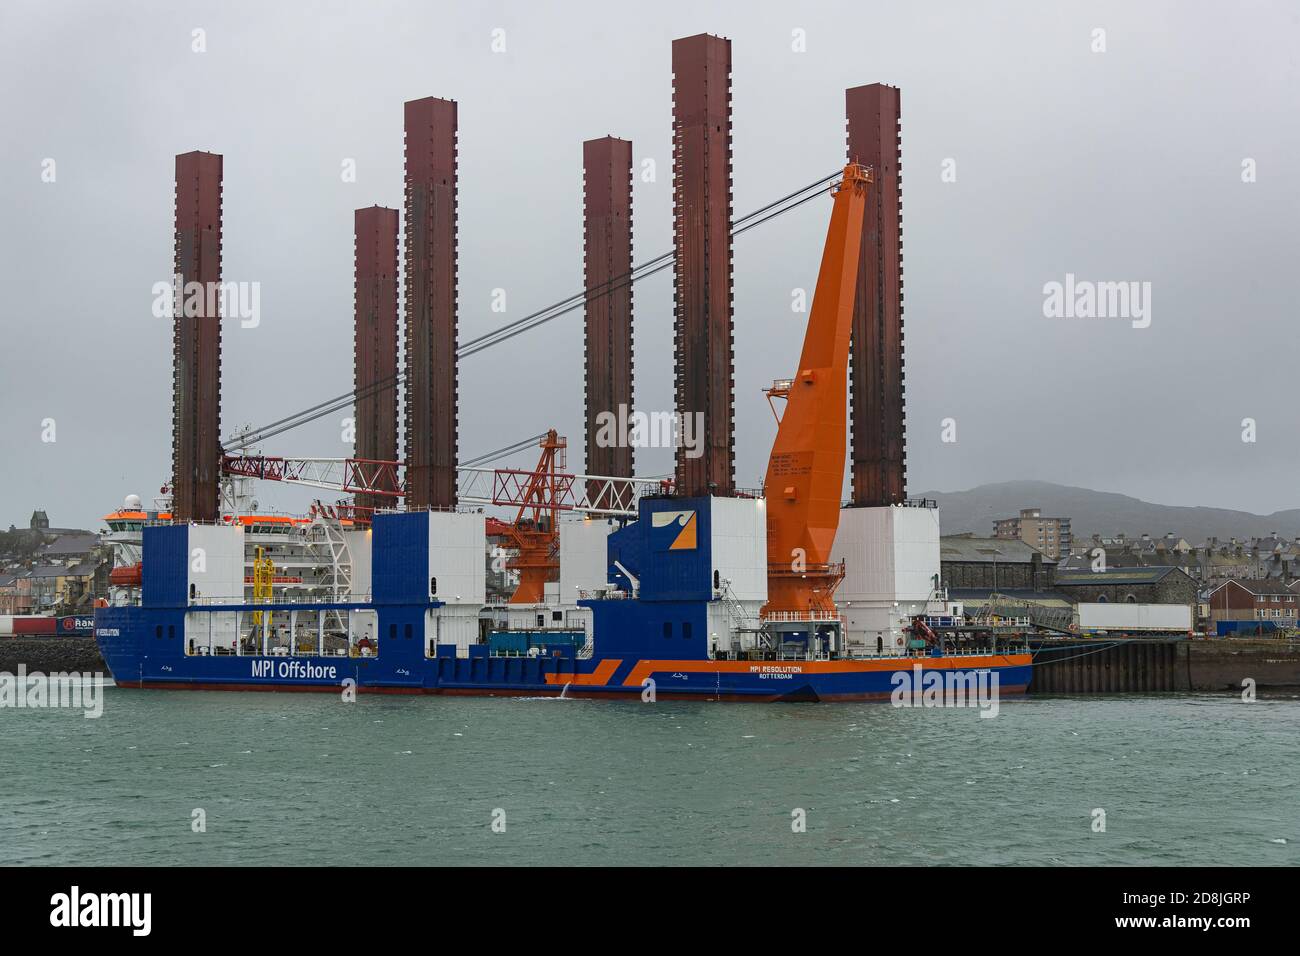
(1099, 666)
(51, 654)
(1222, 664)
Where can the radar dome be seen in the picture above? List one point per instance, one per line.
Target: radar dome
(132, 503)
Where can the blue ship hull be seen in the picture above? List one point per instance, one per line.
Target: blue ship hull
(660, 642)
(144, 647)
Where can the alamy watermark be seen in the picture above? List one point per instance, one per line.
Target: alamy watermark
(625, 428)
(37, 691)
(192, 300)
(950, 688)
(127, 910)
(1085, 299)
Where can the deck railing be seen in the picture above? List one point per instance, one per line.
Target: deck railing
(282, 600)
(800, 616)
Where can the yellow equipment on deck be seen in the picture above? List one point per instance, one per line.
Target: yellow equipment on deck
(263, 576)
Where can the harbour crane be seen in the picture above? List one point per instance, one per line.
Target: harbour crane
(805, 473)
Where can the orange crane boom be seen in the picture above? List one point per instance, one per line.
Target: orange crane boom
(805, 473)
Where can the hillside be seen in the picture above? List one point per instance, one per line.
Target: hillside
(1101, 512)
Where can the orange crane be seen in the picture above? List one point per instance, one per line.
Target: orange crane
(535, 532)
(805, 473)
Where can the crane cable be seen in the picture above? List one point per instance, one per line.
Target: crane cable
(758, 217)
(519, 326)
(503, 452)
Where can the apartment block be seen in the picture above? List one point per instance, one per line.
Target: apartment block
(1051, 536)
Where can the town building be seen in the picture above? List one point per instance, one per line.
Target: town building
(1051, 536)
(1147, 585)
(61, 588)
(1214, 561)
(47, 570)
(1235, 603)
(16, 592)
(993, 564)
(73, 546)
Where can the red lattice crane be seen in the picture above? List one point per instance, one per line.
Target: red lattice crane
(539, 495)
(535, 533)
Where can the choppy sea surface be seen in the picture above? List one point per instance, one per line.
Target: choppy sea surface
(307, 778)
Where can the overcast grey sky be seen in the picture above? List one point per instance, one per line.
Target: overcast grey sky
(1122, 165)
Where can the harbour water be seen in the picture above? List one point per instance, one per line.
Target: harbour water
(307, 778)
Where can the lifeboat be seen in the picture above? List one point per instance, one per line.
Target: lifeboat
(126, 576)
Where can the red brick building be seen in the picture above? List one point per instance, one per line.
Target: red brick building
(1235, 600)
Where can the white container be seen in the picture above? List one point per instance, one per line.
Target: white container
(1135, 617)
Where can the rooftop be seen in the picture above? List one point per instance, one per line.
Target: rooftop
(1258, 587)
(1115, 576)
(968, 547)
(49, 571)
(80, 542)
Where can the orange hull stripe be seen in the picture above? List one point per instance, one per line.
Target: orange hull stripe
(601, 675)
(644, 669)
